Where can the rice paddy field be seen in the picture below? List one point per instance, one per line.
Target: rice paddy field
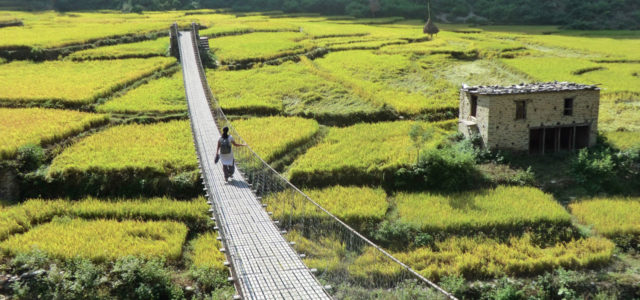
(72, 83)
(97, 162)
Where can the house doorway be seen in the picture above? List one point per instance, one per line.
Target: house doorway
(582, 137)
(555, 139)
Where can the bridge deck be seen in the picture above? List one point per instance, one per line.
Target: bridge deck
(265, 265)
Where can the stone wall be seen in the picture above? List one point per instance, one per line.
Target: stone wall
(481, 118)
(9, 187)
(496, 115)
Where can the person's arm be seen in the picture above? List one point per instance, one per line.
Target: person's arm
(218, 149)
(233, 142)
(238, 145)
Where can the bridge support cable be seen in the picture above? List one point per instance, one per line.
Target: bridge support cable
(263, 264)
(340, 257)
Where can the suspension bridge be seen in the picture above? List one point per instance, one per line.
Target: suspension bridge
(262, 263)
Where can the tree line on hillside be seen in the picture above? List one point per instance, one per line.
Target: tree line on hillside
(575, 14)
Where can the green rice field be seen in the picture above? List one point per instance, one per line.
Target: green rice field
(98, 170)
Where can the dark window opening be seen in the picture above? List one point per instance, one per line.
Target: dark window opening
(474, 105)
(521, 110)
(568, 107)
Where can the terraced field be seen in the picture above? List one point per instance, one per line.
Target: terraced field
(96, 148)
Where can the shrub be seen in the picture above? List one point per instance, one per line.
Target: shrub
(30, 157)
(507, 290)
(451, 168)
(394, 235)
(135, 278)
(594, 170)
(127, 278)
(454, 284)
(77, 279)
(561, 284)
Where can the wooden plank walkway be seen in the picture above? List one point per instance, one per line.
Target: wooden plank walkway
(265, 265)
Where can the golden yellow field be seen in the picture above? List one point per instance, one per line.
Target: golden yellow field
(163, 148)
(37, 126)
(72, 82)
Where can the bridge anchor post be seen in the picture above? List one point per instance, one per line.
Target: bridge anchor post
(173, 36)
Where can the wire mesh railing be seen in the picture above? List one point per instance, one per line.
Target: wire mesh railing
(340, 257)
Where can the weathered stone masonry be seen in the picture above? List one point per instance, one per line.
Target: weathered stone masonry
(557, 116)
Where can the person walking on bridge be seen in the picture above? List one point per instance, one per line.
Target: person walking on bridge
(224, 153)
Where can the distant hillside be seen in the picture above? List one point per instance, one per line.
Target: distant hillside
(13, 5)
(576, 14)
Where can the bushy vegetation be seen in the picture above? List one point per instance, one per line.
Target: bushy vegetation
(19, 127)
(129, 277)
(157, 47)
(163, 95)
(450, 168)
(101, 240)
(72, 83)
(360, 154)
(510, 210)
(605, 169)
(616, 218)
(273, 137)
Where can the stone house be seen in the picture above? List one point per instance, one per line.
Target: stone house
(538, 118)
